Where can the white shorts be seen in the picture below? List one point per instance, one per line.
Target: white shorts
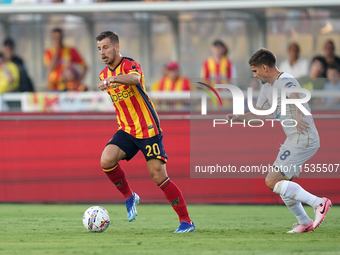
(290, 159)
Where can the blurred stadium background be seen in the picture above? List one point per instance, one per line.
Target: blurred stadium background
(50, 143)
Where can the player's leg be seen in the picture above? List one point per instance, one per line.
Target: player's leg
(111, 155)
(294, 191)
(290, 190)
(156, 158)
(305, 224)
(120, 147)
(172, 193)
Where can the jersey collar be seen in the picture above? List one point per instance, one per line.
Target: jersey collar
(278, 76)
(112, 70)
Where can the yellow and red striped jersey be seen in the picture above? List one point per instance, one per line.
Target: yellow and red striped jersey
(167, 84)
(217, 72)
(136, 114)
(67, 56)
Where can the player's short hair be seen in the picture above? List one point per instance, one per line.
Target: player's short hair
(263, 57)
(108, 34)
(9, 42)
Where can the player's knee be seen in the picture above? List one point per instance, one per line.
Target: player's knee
(157, 175)
(157, 172)
(270, 183)
(107, 162)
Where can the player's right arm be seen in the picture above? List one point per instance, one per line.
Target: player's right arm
(261, 104)
(246, 117)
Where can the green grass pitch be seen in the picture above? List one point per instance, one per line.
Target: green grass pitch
(221, 229)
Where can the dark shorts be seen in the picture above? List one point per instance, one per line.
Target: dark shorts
(150, 147)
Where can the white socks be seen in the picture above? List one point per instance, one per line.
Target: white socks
(297, 209)
(292, 195)
(294, 191)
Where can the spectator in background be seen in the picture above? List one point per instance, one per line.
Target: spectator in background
(316, 78)
(25, 83)
(218, 69)
(9, 76)
(58, 58)
(294, 65)
(172, 80)
(330, 57)
(71, 80)
(333, 84)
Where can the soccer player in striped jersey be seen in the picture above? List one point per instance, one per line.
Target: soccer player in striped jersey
(218, 69)
(301, 144)
(139, 129)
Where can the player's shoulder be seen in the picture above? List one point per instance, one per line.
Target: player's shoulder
(131, 60)
(128, 59)
(286, 80)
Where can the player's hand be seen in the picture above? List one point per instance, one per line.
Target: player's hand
(104, 84)
(231, 118)
(302, 125)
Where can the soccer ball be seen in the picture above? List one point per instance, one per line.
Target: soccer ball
(96, 219)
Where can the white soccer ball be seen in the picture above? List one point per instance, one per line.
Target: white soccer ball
(96, 219)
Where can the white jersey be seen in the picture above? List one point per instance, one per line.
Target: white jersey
(294, 138)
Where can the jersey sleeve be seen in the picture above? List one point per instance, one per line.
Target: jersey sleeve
(288, 83)
(262, 101)
(101, 76)
(76, 58)
(131, 66)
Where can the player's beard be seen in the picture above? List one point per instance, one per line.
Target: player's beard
(113, 58)
(111, 62)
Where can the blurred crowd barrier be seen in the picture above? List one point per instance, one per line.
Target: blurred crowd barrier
(164, 101)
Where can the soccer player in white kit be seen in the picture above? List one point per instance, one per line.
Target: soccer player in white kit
(301, 144)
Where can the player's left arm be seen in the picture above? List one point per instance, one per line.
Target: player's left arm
(132, 76)
(126, 79)
(302, 125)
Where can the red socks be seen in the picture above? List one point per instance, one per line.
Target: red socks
(174, 195)
(117, 176)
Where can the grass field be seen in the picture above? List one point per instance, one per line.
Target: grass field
(221, 229)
